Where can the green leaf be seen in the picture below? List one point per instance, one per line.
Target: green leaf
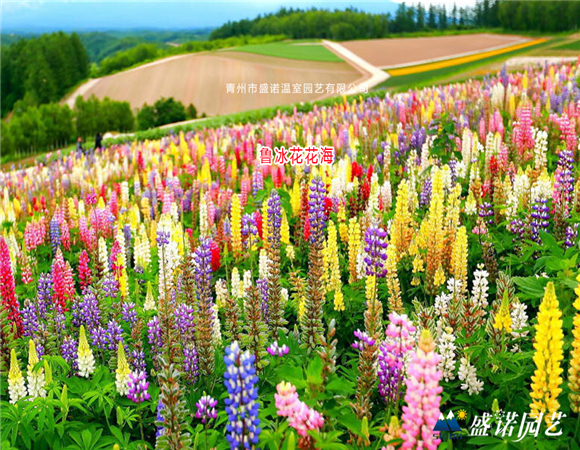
(314, 371)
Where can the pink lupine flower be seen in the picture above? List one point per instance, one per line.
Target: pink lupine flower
(300, 416)
(422, 398)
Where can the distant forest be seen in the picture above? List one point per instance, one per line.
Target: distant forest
(542, 16)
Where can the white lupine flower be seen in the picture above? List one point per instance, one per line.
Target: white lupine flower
(221, 292)
(290, 252)
(35, 377)
(247, 283)
(542, 188)
(468, 374)
(480, 287)
(103, 256)
(284, 295)
(360, 262)
(540, 148)
(519, 318)
(85, 358)
(203, 223)
(16, 385)
(442, 303)
(446, 348)
(264, 265)
(217, 331)
(236, 283)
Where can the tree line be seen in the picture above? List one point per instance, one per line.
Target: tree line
(52, 125)
(148, 52)
(543, 16)
(41, 70)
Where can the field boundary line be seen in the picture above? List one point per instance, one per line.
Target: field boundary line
(455, 55)
(409, 70)
(377, 75)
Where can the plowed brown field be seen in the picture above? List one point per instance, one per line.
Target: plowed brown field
(201, 79)
(398, 52)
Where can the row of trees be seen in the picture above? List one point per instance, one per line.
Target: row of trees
(162, 112)
(41, 70)
(52, 125)
(354, 24)
(147, 52)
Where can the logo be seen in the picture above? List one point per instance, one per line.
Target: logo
(447, 427)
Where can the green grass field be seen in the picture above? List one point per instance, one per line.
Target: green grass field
(574, 45)
(421, 79)
(313, 51)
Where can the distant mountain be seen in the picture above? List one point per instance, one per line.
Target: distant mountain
(39, 17)
(101, 44)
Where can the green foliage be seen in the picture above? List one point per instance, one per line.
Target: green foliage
(41, 69)
(163, 111)
(292, 50)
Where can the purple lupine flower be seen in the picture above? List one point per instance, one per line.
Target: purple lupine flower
(98, 337)
(375, 251)
(190, 363)
(68, 350)
(540, 218)
(242, 407)
(274, 218)
(425, 197)
(518, 228)
(316, 214)
(44, 294)
(249, 226)
(364, 340)
(128, 313)
(276, 350)
(399, 341)
(206, 409)
(54, 234)
(113, 334)
(160, 429)
(263, 288)
(202, 275)
(486, 212)
(564, 180)
(571, 234)
(257, 180)
(138, 360)
(30, 323)
(184, 321)
(163, 238)
(154, 334)
(138, 385)
(110, 286)
(86, 310)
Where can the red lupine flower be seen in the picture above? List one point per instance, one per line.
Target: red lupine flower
(7, 286)
(215, 256)
(356, 170)
(85, 278)
(258, 219)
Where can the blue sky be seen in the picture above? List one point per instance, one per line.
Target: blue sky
(40, 16)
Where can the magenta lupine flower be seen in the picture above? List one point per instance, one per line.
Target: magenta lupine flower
(422, 398)
(364, 340)
(206, 409)
(276, 350)
(375, 251)
(399, 341)
(138, 385)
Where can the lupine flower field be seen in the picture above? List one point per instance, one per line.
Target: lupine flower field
(421, 292)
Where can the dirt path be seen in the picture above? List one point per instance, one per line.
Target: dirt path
(376, 75)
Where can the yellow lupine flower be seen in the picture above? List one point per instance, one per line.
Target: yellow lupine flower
(284, 229)
(85, 358)
(371, 288)
(122, 372)
(295, 197)
(354, 242)
(548, 356)
(334, 283)
(16, 386)
(459, 258)
(401, 229)
(236, 224)
(35, 377)
(574, 370)
(503, 320)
